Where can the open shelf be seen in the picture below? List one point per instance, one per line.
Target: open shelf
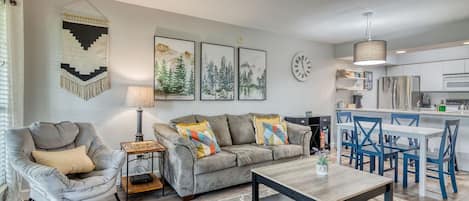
(139, 188)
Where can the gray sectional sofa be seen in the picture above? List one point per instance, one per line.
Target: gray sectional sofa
(235, 134)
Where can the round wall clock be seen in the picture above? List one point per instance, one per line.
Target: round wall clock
(301, 67)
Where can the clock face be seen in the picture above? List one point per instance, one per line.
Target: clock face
(301, 67)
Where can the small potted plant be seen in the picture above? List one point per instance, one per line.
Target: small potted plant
(322, 165)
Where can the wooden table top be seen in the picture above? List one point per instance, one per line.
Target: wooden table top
(341, 183)
(142, 147)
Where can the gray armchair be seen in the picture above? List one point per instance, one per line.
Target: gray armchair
(48, 184)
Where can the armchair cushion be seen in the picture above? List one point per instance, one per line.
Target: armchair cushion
(67, 162)
(53, 135)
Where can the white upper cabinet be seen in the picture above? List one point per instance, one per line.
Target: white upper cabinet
(431, 76)
(453, 67)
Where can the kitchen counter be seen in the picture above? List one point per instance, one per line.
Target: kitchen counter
(464, 114)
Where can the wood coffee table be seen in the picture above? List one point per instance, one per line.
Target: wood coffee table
(298, 180)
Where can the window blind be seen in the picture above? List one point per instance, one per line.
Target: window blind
(4, 90)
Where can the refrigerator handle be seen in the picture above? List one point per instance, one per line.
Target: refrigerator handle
(393, 98)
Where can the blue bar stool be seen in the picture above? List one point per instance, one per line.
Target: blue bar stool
(446, 154)
(367, 146)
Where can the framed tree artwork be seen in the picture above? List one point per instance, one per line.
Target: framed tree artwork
(174, 69)
(217, 73)
(252, 74)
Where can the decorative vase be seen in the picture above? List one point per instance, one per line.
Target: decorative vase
(321, 170)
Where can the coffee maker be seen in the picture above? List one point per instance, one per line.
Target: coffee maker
(357, 100)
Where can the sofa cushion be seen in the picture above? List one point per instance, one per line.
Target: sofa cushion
(184, 119)
(51, 136)
(241, 129)
(219, 161)
(285, 151)
(219, 126)
(248, 154)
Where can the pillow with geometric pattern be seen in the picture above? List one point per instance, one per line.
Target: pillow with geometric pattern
(275, 134)
(202, 136)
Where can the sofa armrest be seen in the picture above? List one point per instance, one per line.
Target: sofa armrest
(179, 159)
(171, 135)
(299, 135)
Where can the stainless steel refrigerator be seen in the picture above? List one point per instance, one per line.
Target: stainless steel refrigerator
(399, 92)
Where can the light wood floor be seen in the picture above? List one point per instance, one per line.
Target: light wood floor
(242, 192)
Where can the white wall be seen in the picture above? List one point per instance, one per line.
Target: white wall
(131, 62)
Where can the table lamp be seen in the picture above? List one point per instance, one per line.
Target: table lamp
(140, 97)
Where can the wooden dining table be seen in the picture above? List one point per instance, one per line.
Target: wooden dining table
(420, 133)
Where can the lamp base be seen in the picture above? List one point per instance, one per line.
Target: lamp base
(138, 137)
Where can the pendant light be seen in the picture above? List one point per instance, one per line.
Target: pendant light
(369, 52)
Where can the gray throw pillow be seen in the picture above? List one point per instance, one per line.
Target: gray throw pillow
(219, 126)
(241, 128)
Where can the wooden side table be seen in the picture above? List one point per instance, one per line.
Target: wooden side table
(138, 148)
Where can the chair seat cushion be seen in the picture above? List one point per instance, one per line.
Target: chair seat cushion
(285, 151)
(219, 161)
(90, 186)
(248, 154)
(67, 162)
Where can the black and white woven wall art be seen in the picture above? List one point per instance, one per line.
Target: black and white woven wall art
(84, 70)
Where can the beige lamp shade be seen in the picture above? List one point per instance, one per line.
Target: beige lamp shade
(138, 96)
(370, 52)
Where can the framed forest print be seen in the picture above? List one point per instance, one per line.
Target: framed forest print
(217, 72)
(174, 69)
(252, 74)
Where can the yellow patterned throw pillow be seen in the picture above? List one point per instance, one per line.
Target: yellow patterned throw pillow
(275, 134)
(201, 135)
(259, 127)
(69, 161)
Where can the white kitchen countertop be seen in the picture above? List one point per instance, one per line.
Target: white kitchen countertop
(421, 112)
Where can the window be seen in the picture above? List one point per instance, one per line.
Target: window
(4, 90)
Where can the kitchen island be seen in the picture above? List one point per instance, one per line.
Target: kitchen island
(431, 119)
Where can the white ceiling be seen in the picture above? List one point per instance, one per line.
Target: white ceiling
(330, 21)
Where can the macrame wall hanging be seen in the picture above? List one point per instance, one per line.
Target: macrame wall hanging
(84, 66)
